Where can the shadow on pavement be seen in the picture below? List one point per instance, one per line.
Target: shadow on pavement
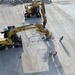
(32, 21)
(50, 47)
(48, 1)
(55, 67)
(65, 49)
(10, 62)
(37, 73)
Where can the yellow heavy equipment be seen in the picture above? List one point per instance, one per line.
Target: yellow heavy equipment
(11, 39)
(43, 14)
(34, 9)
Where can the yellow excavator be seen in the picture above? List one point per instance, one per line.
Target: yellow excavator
(34, 9)
(43, 14)
(11, 39)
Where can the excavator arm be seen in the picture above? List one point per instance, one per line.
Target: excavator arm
(13, 39)
(28, 27)
(5, 41)
(43, 6)
(43, 14)
(19, 29)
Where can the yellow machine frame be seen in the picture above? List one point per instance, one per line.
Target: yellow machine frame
(8, 40)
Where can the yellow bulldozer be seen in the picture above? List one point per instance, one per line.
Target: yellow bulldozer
(11, 39)
(33, 9)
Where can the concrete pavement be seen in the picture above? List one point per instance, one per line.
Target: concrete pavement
(35, 53)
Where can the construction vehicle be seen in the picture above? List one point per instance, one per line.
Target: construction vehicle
(11, 39)
(43, 14)
(34, 9)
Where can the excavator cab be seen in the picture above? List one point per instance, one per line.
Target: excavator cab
(6, 30)
(7, 42)
(17, 42)
(32, 10)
